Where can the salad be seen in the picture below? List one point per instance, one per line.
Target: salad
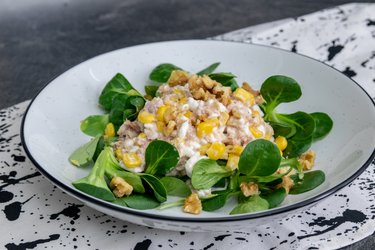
(201, 137)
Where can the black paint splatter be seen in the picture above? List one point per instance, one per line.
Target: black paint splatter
(18, 158)
(370, 22)
(294, 47)
(5, 196)
(13, 210)
(208, 246)
(10, 181)
(354, 216)
(334, 50)
(221, 237)
(143, 245)
(72, 212)
(31, 244)
(349, 72)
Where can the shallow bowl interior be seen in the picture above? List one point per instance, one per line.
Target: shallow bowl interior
(51, 131)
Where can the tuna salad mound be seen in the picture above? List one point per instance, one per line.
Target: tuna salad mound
(200, 137)
(200, 117)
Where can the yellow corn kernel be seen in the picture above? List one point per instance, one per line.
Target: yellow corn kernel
(204, 128)
(244, 96)
(281, 142)
(203, 149)
(131, 160)
(160, 112)
(188, 114)
(142, 135)
(256, 132)
(118, 153)
(109, 130)
(232, 162)
(236, 150)
(224, 117)
(146, 117)
(215, 151)
(183, 100)
(160, 126)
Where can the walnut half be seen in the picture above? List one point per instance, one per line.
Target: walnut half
(307, 160)
(249, 189)
(120, 187)
(193, 204)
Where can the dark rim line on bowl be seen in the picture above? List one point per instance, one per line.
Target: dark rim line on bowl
(85, 197)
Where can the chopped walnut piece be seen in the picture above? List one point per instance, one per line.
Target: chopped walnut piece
(307, 159)
(192, 204)
(202, 87)
(208, 82)
(120, 187)
(248, 88)
(170, 114)
(287, 183)
(222, 94)
(169, 128)
(249, 189)
(178, 77)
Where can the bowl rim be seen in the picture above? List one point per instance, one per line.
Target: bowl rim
(263, 214)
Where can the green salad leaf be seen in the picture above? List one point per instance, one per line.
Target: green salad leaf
(84, 155)
(161, 157)
(207, 173)
(162, 72)
(156, 186)
(175, 186)
(259, 158)
(94, 184)
(323, 125)
(274, 197)
(209, 69)
(136, 201)
(250, 205)
(94, 125)
(310, 181)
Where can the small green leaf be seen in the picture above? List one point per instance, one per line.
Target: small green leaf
(279, 89)
(84, 155)
(162, 72)
(151, 90)
(94, 184)
(161, 157)
(310, 181)
(209, 69)
(175, 186)
(94, 125)
(303, 123)
(215, 203)
(263, 179)
(226, 79)
(275, 197)
(117, 86)
(252, 204)
(207, 173)
(297, 147)
(157, 187)
(259, 158)
(323, 125)
(137, 201)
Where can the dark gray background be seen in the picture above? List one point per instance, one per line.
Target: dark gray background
(40, 39)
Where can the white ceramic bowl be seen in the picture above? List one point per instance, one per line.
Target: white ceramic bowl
(50, 129)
